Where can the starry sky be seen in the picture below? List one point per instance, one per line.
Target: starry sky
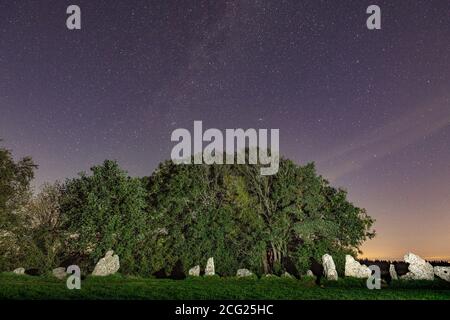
(371, 108)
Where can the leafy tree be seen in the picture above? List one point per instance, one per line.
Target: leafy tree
(105, 211)
(243, 219)
(305, 217)
(199, 212)
(42, 234)
(180, 214)
(15, 178)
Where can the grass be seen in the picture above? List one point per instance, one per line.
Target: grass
(135, 288)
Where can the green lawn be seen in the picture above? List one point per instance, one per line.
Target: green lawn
(121, 287)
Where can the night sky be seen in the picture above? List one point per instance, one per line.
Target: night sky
(371, 108)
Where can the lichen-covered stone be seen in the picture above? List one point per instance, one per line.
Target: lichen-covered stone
(59, 273)
(329, 268)
(19, 271)
(108, 265)
(418, 268)
(392, 272)
(195, 271)
(354, 269)
(442, 272)
(287, 275)
(243, 273)
(210, 270)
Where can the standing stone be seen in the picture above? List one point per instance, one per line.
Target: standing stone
(108, 265)
(19, 271)
(195, 271)
(442, 272)
(329, 268)
(392, 272)
(309, 273)
(418, 268)
(243, 273)
(209, 270)
(354, 269)
(59, 273)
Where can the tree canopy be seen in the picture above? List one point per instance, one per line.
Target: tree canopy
(105, 211)
(15, 178)
(242, 219)
(179, 216)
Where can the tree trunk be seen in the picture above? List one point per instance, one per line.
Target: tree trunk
(265, 263)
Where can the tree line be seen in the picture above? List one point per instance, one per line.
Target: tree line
(177, 217)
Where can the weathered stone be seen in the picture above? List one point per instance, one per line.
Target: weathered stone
(309, 273)
(209, 270)
(329, 268)
(59, 273)
(162, 231)
(418, 268)
(19, 271)
(354, 269)
(195, 271)
(108, 265)
(442, 272)
(287, 275)
(408, 276)
(392, 272)
(243, 273)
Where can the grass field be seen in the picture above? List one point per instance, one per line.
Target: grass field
(121, 287)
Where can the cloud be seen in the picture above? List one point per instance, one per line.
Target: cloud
(411, 128)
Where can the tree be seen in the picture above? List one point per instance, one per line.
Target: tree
(105, 211)
(244, 219)
(15, 178)
(305, 217)
(199, 212)
(42, 233)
